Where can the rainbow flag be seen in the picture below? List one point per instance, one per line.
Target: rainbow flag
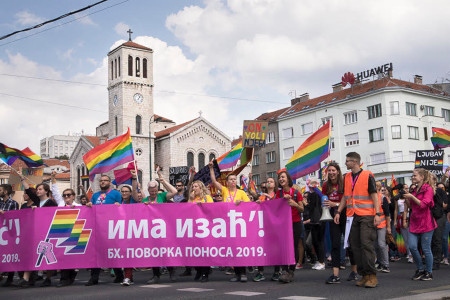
(9, 155)
(308, 156)
(230, 158)
(109, 155)
(441, 138)
(393, 184)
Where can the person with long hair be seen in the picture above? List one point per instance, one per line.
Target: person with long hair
(268, 193)
(232, 194)
(198, 194)
(333, 188)
(421, 223)
(294, 199)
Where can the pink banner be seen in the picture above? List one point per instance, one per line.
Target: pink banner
(139, 235)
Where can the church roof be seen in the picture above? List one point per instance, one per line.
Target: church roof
(94, 140)
(168, 131)
(131, 44)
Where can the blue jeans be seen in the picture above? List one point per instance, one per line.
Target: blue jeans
(425, 241)
(445, 233)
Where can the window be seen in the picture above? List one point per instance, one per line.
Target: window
(256, 179)
(352, 139)
(374, 111)
(144, 68)
(378, 158)
(138, 67)
(413, 132)
(428, 110)
(332, 146)
(376, 135)
(411, 109)
(397, 156)
(118, 59)
(396, 131)
(211, 156)
(395, 108)
(350, 117)
(412, 155)
(190, 159)
(446, 114)
(130, 65)
(307, 128)
(272, 175)
(201, 160)
(112, 70)
(425, 133)
(270, 157)
(288, 133)
(255, 160)
(115, 67)
(270, 137)
(326, 119)
(138, 124)
(288, 152)
(116, 125)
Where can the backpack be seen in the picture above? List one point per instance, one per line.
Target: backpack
(437, 210)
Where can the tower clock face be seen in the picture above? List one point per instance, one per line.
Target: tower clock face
(138, 98)
(115, 100)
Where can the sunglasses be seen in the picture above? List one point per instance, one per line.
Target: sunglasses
(67, 195)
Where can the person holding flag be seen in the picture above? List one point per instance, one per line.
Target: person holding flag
(234, 195)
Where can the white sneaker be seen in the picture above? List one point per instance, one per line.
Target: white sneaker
(320, 267)
(316, 265)
(410, 259)
(444, 261)
(127, 282)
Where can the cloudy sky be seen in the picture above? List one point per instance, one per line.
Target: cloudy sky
(233, 60)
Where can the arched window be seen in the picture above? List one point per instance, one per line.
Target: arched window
(78, 178)
(201, 160)
(138, 124)
(130, 65)
(138, 67)
(211, 156)
(190, 159)
(112, 69)
(115, 68)
(139, 176)
(116, 125)
(118, 62)
(144, 68)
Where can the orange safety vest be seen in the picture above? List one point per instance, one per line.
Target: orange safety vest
(357, 196)
(382, 217)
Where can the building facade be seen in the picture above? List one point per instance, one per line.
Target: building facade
(58, 145)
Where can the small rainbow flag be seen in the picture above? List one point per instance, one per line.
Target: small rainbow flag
(441, 138)
(308, 156)
(393, 184)
(230, 158)
(109, 155)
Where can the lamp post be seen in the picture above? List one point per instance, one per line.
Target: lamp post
(155, 120)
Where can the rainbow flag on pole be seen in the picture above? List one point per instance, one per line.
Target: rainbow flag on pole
(230, 158)
(311, 153)
(441, 138)
(109, 155)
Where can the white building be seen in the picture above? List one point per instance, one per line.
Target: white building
(58, 145)
(384, 120)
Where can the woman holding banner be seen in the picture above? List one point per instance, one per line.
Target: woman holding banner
(232, 194)
(294, 199)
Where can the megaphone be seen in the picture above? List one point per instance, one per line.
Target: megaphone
(326, 216)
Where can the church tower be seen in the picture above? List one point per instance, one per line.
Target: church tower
(130, 92)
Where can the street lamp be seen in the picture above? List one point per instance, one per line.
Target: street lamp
(150, 141)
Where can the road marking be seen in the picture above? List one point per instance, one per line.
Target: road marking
(195, 290)
(155, 286)
(301, 298)
(244, 293)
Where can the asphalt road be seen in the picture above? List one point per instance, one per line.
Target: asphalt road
(309, 284)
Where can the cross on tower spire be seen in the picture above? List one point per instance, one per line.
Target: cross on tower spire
(129, 34)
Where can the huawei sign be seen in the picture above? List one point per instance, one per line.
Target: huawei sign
(348, 78)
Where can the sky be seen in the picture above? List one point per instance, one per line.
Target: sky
(232, 60)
